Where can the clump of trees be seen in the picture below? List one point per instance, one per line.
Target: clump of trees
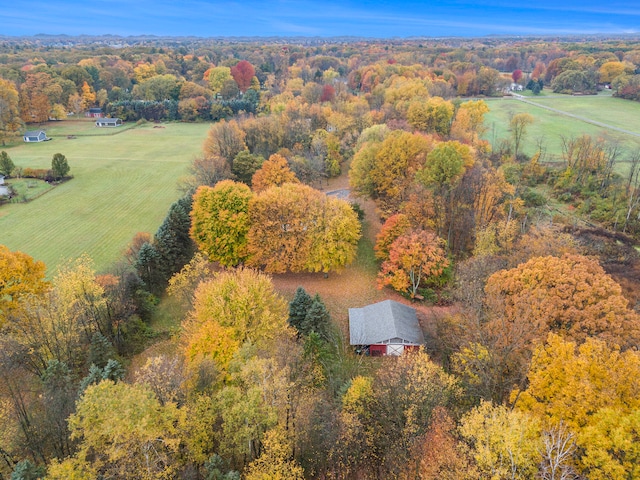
(288, 227)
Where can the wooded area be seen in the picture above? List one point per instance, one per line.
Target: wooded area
(529, 370)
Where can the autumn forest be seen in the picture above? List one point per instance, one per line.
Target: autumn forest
(333, 174)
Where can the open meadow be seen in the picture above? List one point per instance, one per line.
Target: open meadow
(122, 184)
(550, 126)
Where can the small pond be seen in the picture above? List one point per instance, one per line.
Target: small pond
(4, 191)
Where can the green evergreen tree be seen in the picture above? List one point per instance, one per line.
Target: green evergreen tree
(172, 241)
(298, 308)
(6, 164)
(216, 469)
(59, 399)
(100, 350)
(113, 370)
(25, 470)
(147, 266)
(317, 319)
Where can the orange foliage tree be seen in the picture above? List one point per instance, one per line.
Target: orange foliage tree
(413, 258)
(571, 296)
(274, 172)
(393, 227)
(295, 228)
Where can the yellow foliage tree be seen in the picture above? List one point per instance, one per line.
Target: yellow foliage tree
(571, 383)
(397, 160)
(595, 390)
(217, 77)
(125, 432)
(224, 140)
(144, 71)
(504, 443)
(184, 283)
(468, 124)
(610, 70)
(220, 221)
(276, 461)
(274, 172)
(433, 115)
(88, 96)
(232, 309)
(20, 277)
(10, 121)
(334, 237)
(611, 447)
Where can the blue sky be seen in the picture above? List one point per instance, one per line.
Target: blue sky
(380, 18)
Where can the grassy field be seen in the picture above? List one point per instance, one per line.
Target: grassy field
(82, 127)
(550, 126)
(122, 184)
(28, 188)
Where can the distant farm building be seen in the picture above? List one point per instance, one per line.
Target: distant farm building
(95, 113)
(108, 122)
(35, 136)
(4, 191)
(385, 328)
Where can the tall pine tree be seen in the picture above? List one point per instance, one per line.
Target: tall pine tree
(298, 309)
(172, 241)
(147, 266)
(317, 319)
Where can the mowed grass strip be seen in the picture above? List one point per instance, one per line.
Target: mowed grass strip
(122, 185)
(550, 126)
(624, 114)
(82, 127)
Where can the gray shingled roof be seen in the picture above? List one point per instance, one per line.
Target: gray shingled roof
(33, 133)
(384, 321)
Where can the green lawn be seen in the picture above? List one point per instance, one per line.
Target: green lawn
(551, 126)
(122, 184)
(82, 127)
(28, 188)
(606, 109)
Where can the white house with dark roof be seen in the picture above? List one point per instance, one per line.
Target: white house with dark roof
(4, 191)
(385, 328)
(35, 136)
(108, 122)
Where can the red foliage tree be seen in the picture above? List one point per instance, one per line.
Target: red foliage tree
(242, 73)
(328, 93)
(516, 75)
(413, 258)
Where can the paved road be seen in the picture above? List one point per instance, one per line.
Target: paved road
(342, 193)
(524, 99)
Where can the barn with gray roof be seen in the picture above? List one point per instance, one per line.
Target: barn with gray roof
(385, 328)
(35, 136)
